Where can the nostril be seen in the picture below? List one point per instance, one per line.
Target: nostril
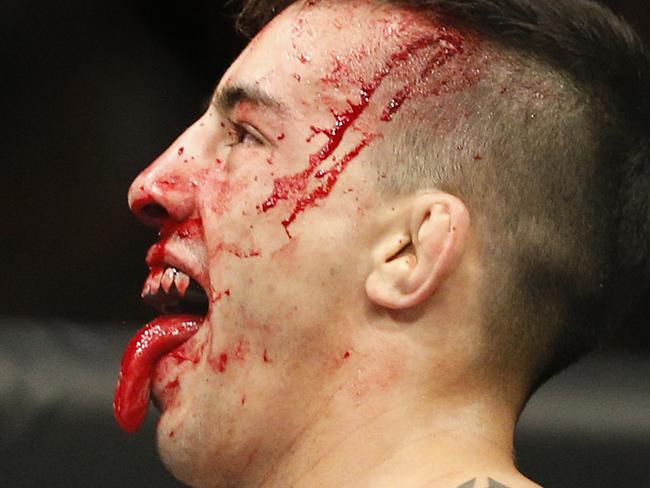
(150, 213)
(153, 211)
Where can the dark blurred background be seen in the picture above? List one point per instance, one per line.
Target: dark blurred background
(92, 92)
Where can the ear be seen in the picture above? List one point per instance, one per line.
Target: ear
(419, 251)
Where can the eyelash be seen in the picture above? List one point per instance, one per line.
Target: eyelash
(241, 133)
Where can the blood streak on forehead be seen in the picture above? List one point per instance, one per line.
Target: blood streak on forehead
(432, 50)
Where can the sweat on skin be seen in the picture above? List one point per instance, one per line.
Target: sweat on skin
(340, 343)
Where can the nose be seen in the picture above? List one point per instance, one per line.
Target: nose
(166, 189)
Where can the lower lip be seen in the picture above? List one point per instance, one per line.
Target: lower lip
(148, 346)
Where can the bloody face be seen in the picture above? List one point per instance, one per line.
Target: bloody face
(269, 205)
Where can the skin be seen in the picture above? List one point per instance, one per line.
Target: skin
(340, 350)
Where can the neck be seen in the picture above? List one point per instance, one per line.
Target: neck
(394, 437)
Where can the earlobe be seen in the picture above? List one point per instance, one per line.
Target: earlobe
(417, 256)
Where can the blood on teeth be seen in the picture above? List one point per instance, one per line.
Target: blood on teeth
(155, 277)
(161, 280)
(182, 282)
(168, 279)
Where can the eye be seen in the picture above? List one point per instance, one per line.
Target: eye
(243, 135)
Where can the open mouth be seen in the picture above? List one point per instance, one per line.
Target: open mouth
(184, 305)
(171, 291)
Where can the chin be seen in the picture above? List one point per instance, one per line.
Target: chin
(192, 454)
(184, 457)
(179, 448)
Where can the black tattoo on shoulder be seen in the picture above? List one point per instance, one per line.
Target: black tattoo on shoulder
(468, 484)
(492, 484)
(495, 484)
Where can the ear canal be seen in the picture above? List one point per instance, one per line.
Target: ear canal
(406, 248)
(393, 263)
(409, 271)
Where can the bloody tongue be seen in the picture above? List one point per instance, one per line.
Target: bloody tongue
(153, 341)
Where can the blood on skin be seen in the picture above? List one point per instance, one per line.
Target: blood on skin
(189, 229)
(220, 363)
(242, 348)
(238, 352)
(296, 184)
(219, 295)
(448, 51)
(396, 103)
(185, 230)
(185, 353)
(236, 250)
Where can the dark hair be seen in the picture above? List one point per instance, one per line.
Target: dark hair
(597, 180)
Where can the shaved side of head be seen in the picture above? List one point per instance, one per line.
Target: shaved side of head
(542, 131)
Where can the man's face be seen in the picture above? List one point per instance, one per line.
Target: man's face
(273, 208)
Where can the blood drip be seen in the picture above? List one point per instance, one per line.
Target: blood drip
(149, 345)
(296, 184)
(189, 229)
(396, 103)
(450, 48)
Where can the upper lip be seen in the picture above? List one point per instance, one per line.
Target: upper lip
(181, 248)
(171, 259)
(189, 295)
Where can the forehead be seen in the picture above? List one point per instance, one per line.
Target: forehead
(325, 44)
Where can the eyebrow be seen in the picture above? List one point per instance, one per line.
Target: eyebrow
(226, 99)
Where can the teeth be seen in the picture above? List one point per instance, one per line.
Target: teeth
(164, 281)
(146, 289)
(167, 279)
(182, 283)
(155, 275)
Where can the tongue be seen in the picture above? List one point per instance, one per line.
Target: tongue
(153, 341)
